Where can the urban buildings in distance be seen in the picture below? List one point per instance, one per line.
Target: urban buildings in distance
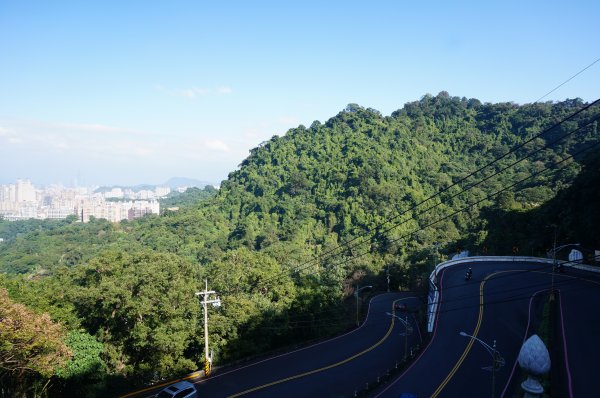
(22, 200)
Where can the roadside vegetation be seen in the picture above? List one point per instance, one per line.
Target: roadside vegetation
(284, 241)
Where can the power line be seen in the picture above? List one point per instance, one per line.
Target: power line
(477, 202)
(511, 298)
(324, 322)
(566, 81)
(483, 199)
(518, 293)
(329, 253)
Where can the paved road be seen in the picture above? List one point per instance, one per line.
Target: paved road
(578, 329)
(504, 302)
(333, 368)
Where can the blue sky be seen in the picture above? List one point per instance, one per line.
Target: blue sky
(129, 92)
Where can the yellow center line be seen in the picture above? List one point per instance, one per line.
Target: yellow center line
(328, 366)
(471, 341)
(478, 326)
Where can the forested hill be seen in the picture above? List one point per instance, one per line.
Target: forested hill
(359, 170)
(307, 216)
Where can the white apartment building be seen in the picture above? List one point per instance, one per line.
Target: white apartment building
(162, 191)
(25, 191)
(8, 193)
(21, 201)
(115, 211)
(116, 193)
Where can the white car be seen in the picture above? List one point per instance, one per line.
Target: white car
(182, 389)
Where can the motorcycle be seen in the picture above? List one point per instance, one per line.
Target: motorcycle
(468, 275)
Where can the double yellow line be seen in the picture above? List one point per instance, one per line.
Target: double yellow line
(328, 366)
(197, 374)
(478, 326)
(471, 341)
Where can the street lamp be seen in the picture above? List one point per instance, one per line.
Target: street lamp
(497, 360)
(408, 332)
(356, 292)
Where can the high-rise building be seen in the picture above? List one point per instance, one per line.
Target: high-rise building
(25, 191)
(162, 191)
(8, 193)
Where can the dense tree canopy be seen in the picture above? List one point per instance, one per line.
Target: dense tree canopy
(306, 217)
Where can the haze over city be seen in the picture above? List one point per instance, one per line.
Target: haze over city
(137, 92)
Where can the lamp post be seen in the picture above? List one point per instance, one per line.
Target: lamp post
(356, 292)
(408, 331)
(497, 360)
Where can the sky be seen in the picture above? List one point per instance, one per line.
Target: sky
(132, 92)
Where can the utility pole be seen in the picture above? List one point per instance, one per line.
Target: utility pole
(388, 277)
(216, 303)
(356, 292)
(495, 365)
(553, 264)
(406, 337)
(356, 295)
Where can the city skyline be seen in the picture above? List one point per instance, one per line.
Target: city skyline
(23, 201)
(132, 93)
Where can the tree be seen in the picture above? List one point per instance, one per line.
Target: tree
(142, 307)
(31, 345)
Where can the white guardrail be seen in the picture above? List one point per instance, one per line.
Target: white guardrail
(433, 296)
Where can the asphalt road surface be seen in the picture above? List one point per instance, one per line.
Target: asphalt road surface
(503, 303)
(333, 368)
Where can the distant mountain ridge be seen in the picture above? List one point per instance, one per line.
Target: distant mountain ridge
(173, 183)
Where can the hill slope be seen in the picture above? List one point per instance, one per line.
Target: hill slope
(306, 217)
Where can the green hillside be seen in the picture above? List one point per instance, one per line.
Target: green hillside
(307, 216)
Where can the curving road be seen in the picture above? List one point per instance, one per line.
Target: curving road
(504, 302)
(333, 368)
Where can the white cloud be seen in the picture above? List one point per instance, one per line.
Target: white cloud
(95, 128)
(62, 145)
(224, 90)
(194, 92)
(10, 135)
(289, 120)
(217, 145)
(143, 152)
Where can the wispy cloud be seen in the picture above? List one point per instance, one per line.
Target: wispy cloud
(10, 136)
(192, 93)
(289, 120)
(224, 90)
(217, 145)
(93, 138)
(95, 128)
